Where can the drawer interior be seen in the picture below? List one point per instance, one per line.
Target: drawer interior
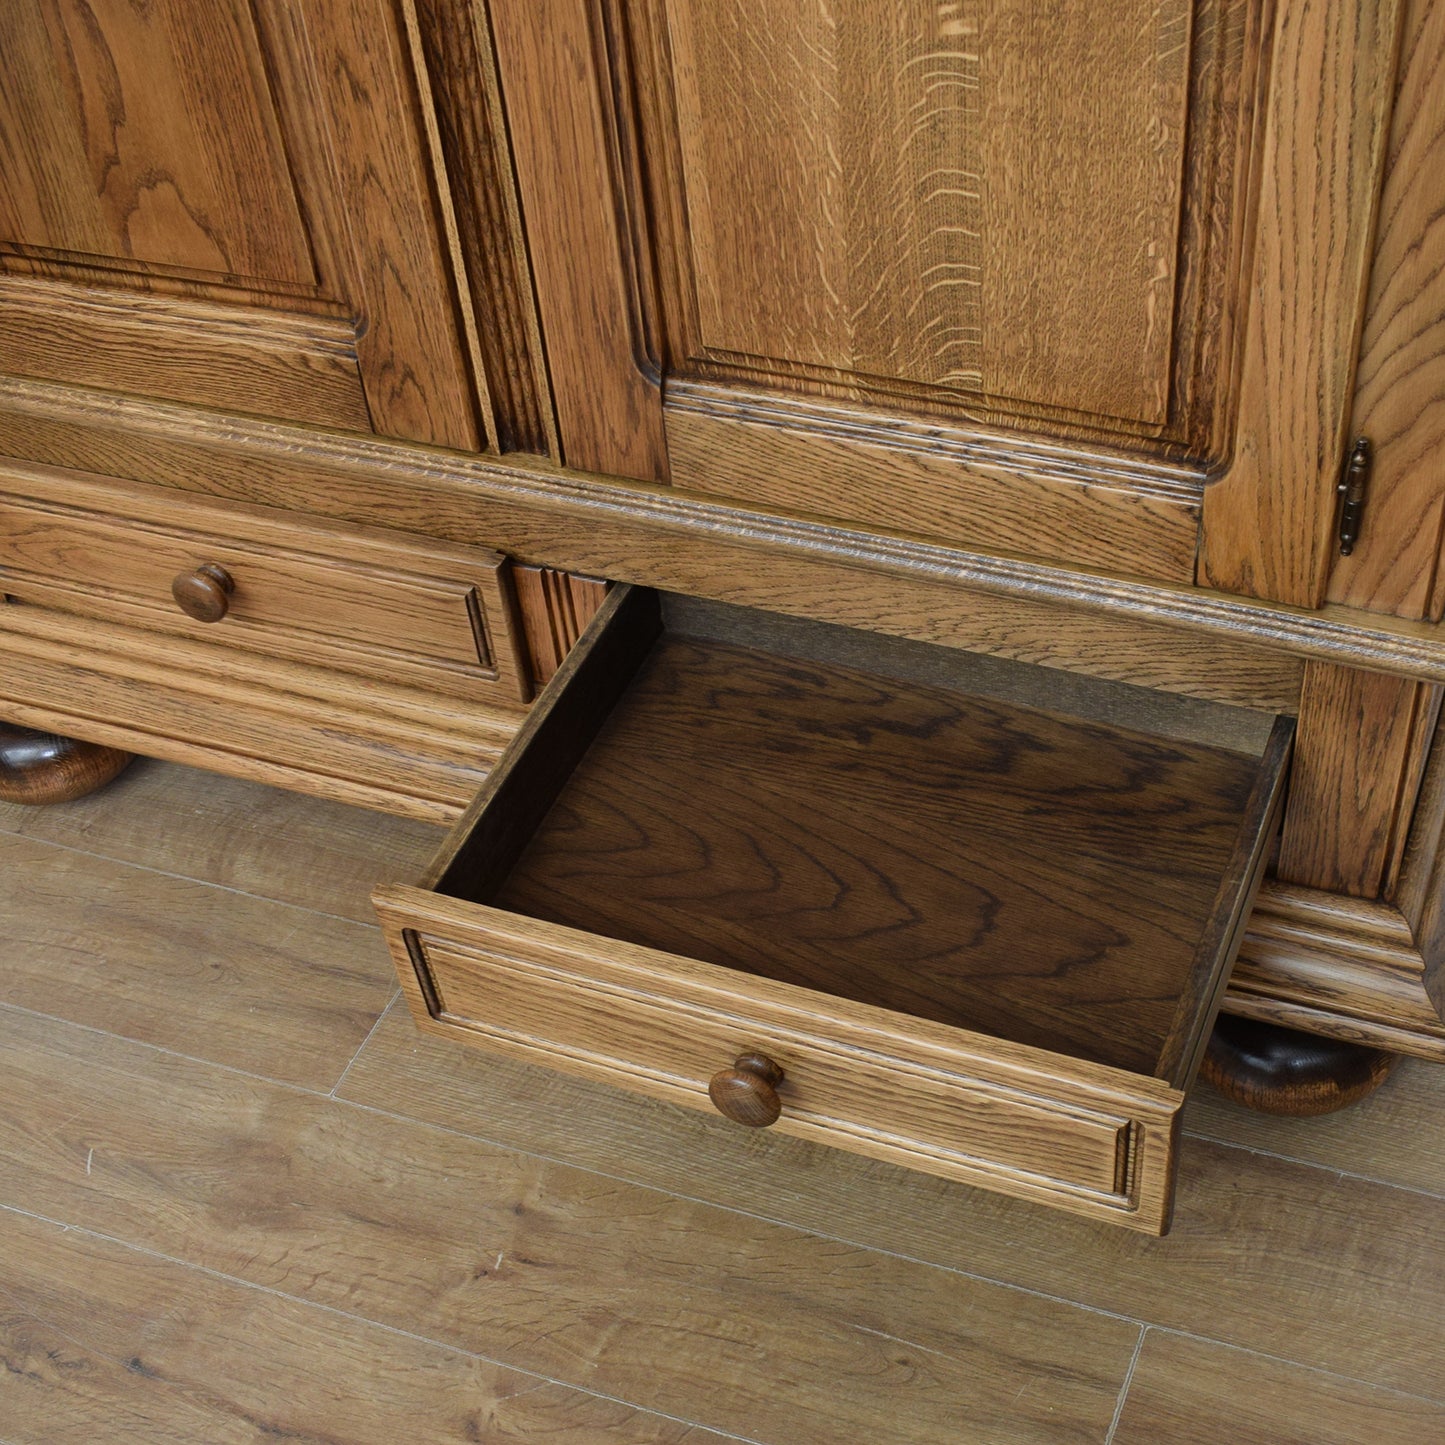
(1048, 859)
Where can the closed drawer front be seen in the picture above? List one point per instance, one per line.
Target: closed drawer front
(343, 597)
(872, 889)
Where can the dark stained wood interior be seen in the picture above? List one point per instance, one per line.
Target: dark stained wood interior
(876, 835)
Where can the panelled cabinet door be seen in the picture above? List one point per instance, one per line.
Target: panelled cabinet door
(233, 204)
(1062, 280)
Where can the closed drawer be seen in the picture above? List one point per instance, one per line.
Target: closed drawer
(382, 604)
(968, 916)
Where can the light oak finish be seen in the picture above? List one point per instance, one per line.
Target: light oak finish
(1268, 520)
(1361, 750)
(1395, 567)
(389, 607)
(359, 740)
(978, 1013)
(456, 40)
(932, 479)
(1343, 967)
(600, 528)
(607, 397)
(39, 768)
(555, 608)
(256, 197)
(302, 368)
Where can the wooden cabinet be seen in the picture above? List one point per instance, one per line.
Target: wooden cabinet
(239, 207)
(1041, 334)
(1072, 283)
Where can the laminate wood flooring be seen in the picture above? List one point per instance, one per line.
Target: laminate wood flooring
(242, 1200)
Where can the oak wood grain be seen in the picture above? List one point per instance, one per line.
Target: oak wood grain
(554, 607)
(413, 359)
(646, 1294)
(246, 982)
(887, 842)
(466, 95)
(603, 528)
(356, 740)
(1355, 778)
(1268, 518)
(134, 132)
(101, 1341)
(301, 368)
(1401, 375)
(393, 607)
(1348, 968)
(1188, 1392)
(935, 480)
(556, 88)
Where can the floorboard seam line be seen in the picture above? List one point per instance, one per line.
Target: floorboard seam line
(241, 1283)
(1297, 1365)
(187, 878)
(566, 1163)
(776, 1222)
(1124, 1386)
(161, 1049)
(1311, 1164)
(370, 1033)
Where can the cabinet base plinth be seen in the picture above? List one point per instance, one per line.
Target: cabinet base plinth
(1283, 1071)
(39, 767)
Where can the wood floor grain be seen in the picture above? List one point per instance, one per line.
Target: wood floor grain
(1394, 1135)
(1186, 1392)
(215, 1248)
(315, 854)
(100, 1343)
(659, 1301)
(1259, 1244)
(258, 985)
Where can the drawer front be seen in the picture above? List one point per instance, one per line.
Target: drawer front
(925, 1097)
(316, 592)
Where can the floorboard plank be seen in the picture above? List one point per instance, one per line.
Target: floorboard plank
(101, 1343)
(243, 981)
(1393, 1136)
(1278, 1257)
(243, 835)
(749, 1328)
(1188, 1392)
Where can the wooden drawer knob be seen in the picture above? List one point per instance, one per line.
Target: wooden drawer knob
(205, 592)
(747, 1093)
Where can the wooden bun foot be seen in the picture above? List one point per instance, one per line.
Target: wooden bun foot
(1282, 1071)
(38, 768)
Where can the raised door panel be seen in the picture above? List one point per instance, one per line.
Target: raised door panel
(979, 197)
(237, 205)
(1066, 281)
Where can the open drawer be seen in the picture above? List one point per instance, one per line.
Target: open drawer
(969, 916)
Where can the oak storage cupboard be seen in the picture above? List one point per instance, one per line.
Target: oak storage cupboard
(1067, 376)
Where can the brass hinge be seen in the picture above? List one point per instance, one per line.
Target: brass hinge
(1354, 481)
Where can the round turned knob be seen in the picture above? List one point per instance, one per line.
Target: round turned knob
(204, 593)
(747, 1093)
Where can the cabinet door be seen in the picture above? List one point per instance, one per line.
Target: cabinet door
(236, 205)
(1030, 278)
